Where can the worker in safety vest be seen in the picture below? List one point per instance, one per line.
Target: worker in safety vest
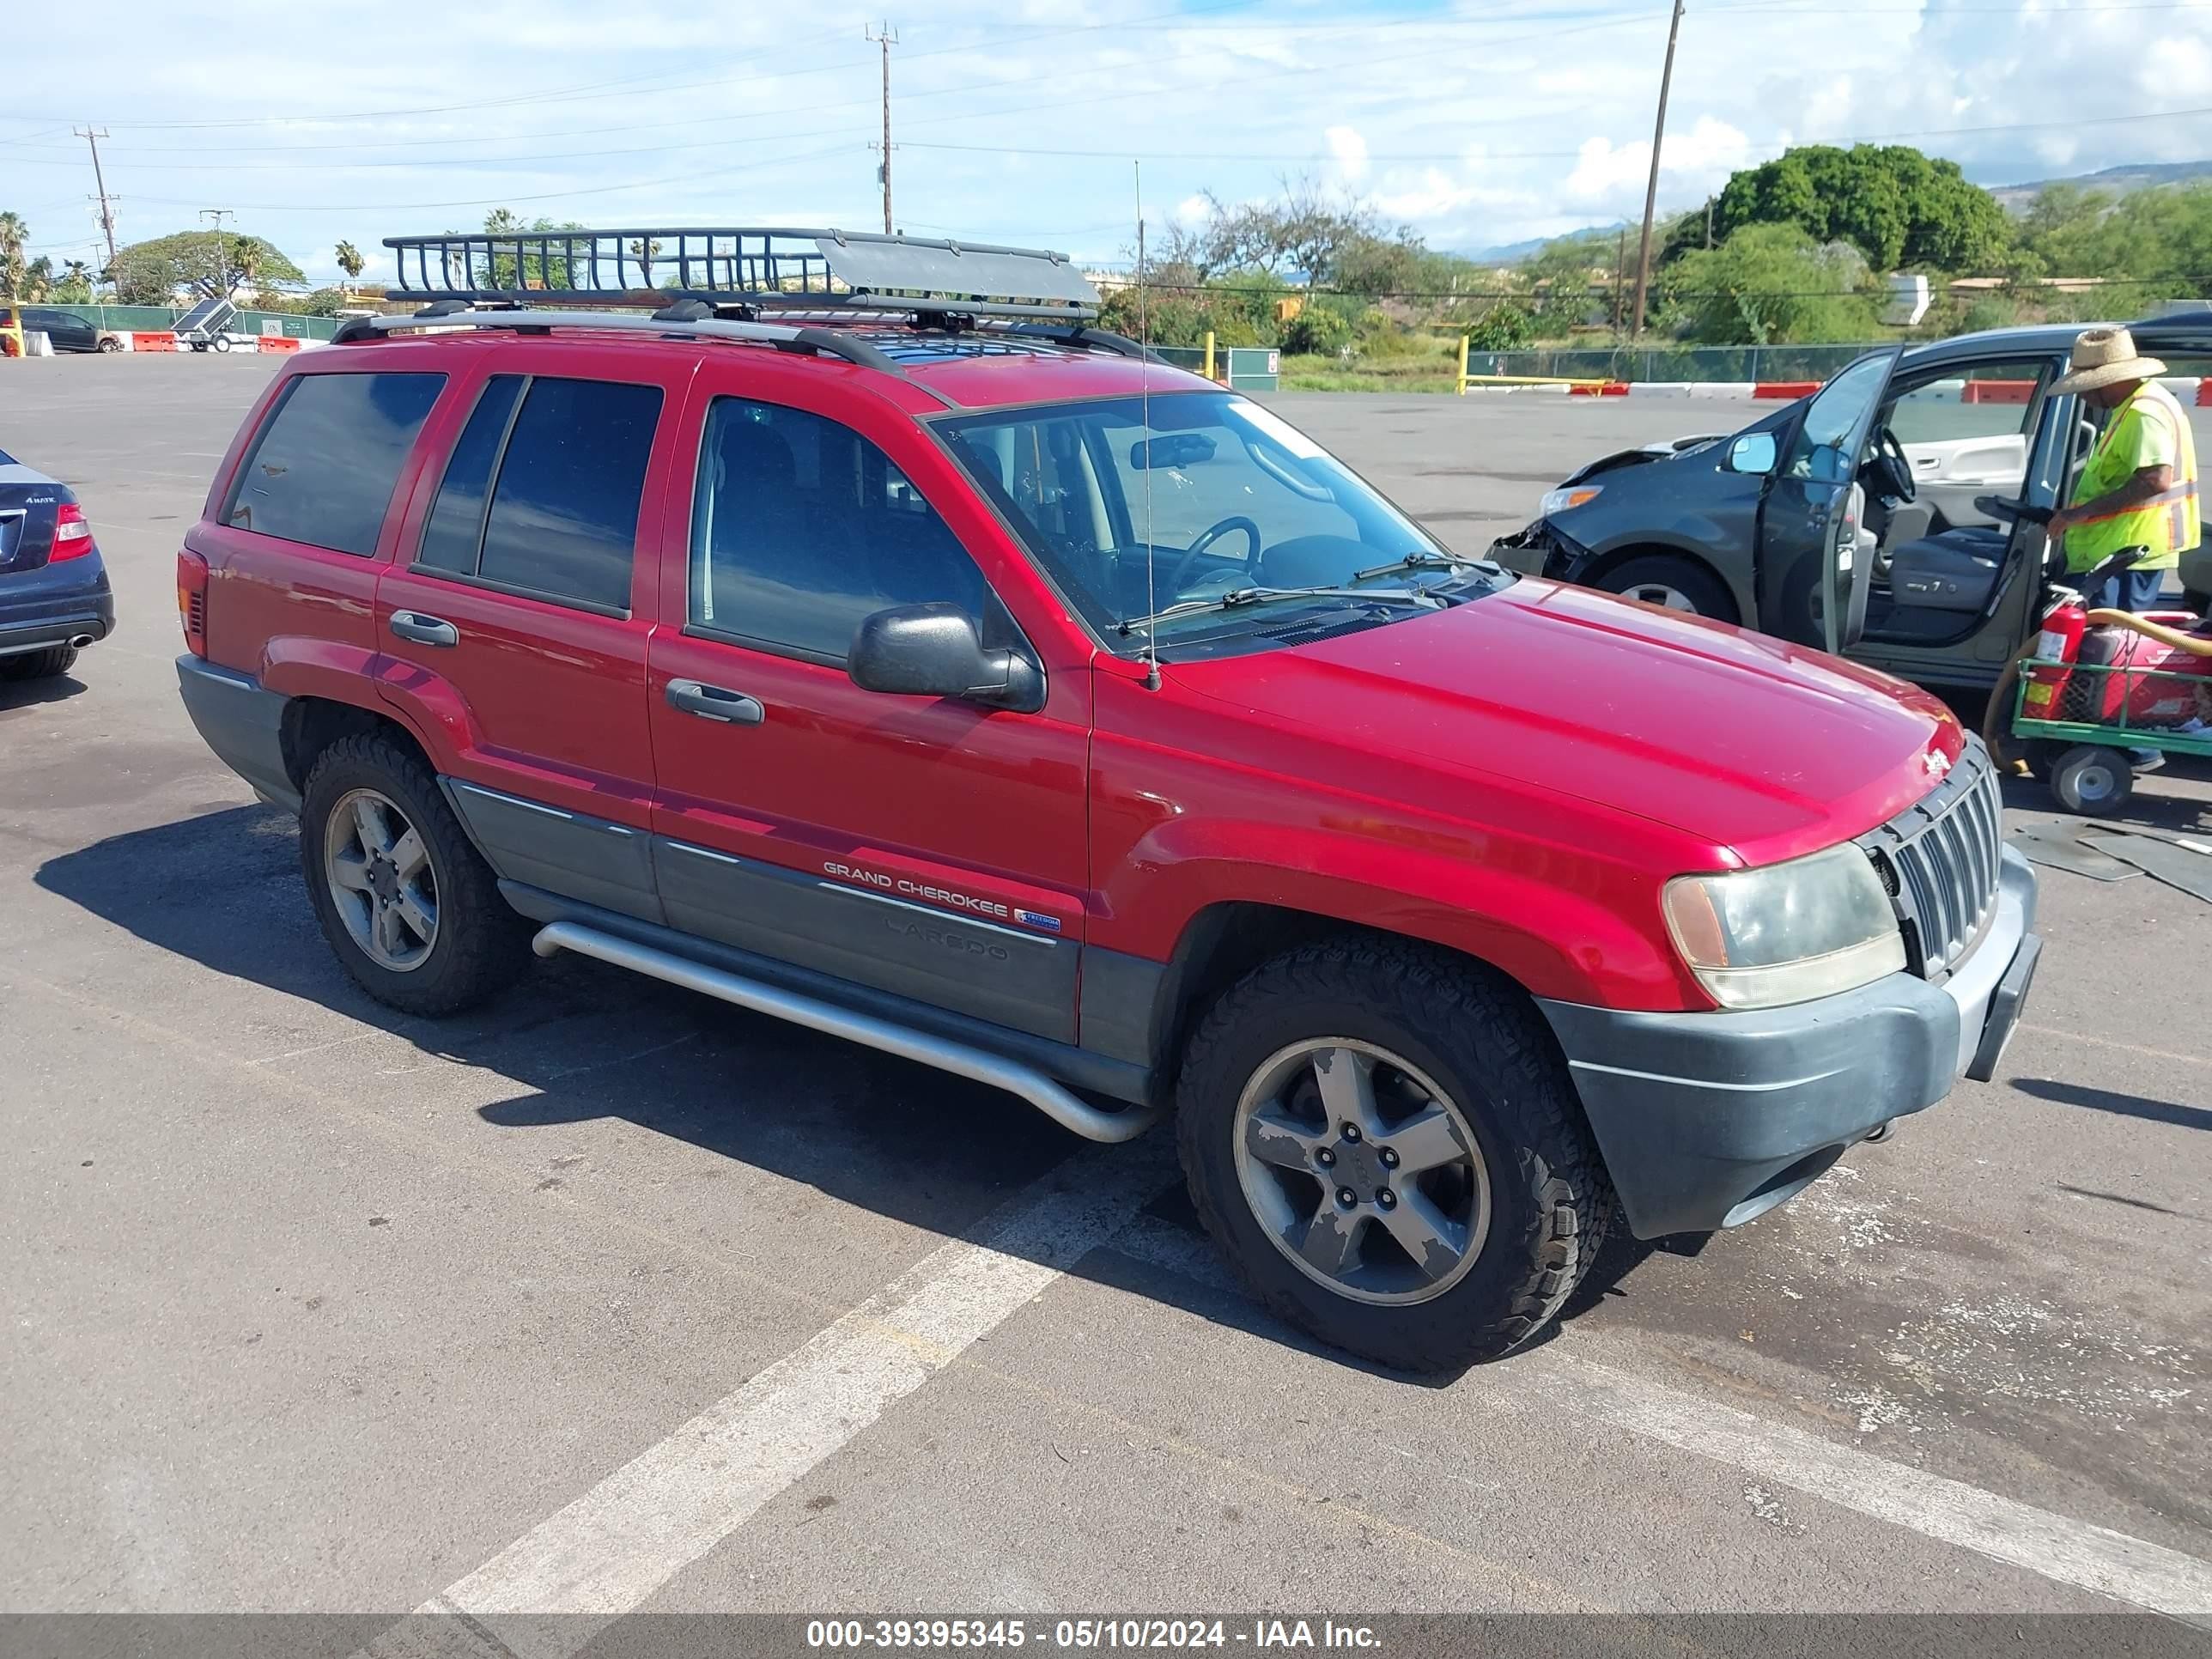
(2139, 488)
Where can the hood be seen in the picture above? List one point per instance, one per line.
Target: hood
(1747, 743)
(1666, 450)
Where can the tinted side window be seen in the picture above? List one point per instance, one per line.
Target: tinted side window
(564, 519)
(802, 527)
(324, 466)
(454, 535)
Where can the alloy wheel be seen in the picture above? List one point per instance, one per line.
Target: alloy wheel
(1362, 1171)
(378, 868)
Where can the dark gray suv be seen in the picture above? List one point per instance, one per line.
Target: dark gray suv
(1926, 472)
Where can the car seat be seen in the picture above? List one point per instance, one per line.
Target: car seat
(1956, 570)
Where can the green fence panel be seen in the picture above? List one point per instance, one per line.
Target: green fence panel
(153, 319)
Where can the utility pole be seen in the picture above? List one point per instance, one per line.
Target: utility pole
(887, 38)
(222, 288)
(1651, 189)
(1620, 274)
(100, 180)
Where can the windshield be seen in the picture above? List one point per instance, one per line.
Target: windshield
(1210, 496)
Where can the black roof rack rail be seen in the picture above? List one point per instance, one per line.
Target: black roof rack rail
(785, 337)
(831, 276)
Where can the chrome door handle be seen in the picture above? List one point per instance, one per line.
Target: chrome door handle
(424, 630)
(712, 702)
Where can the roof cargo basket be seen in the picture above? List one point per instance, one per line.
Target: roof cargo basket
(833, 276)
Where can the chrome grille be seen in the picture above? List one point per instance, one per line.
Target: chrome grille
(1940, 860)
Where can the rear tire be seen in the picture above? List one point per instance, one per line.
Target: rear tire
(1672, 583)
(476, 944)
(2092, 780)
(1517, 1187)
(38, 664)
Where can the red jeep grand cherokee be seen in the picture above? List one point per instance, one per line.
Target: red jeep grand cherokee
(943, 673)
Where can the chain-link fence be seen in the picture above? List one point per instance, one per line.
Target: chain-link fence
(1785, 363)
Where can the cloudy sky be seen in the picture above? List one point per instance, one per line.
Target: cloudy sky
(1478, 122)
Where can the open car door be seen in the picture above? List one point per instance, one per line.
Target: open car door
(1810, 525)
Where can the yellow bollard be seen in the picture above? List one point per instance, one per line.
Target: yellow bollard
(1462, 365)
(1209, 353)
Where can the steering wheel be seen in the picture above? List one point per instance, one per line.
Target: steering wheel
(1892, 470)
(1213, 534)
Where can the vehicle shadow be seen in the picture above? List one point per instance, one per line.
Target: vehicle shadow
(2110, 1100)
(18, 695)
(582, 1042)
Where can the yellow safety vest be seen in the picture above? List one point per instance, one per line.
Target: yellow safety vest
(2149, 430)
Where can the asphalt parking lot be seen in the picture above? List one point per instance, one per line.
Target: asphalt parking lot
(610, 1298)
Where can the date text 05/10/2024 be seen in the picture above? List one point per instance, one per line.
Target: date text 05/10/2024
(1088, 1634)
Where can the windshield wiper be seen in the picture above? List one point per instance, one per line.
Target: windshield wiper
(1237, 598)
(1422, 559)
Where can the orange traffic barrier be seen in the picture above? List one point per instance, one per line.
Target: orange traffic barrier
(156, 342)
(1996, 391)
(1785, 391)
(1599, 389)
(278, 342)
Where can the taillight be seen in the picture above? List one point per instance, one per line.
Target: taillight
(192, 600)
(72, 534)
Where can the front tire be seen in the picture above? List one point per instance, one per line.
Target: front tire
(1673, 584)
(111, 345)
(406, 900)
(1383, 1140)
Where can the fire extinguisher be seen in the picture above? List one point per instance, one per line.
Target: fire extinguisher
(2056, 650)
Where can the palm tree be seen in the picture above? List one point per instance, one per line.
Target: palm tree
(349, 261)
(13, 233)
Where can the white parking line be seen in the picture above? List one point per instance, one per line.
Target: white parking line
(2057, 1546)
(612, 1549)
(2060, 1548)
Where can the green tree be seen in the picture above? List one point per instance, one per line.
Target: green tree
(1772, 284)
(349, 261)
(208, 264)
(1895, 204)
(14, 234)
(74, 286)
(2159, 241)
(1505, 327)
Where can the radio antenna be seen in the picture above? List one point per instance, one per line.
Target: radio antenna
(1145, 403)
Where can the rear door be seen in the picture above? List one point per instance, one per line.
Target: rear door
(932, 847)
(1809, 523)
(514, 620)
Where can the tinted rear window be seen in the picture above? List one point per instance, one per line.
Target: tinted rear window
(564, 519)
(322, 471)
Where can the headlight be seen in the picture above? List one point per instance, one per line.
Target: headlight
(1758, 938)
(1568, 497)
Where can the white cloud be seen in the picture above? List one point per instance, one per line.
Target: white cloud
(1480, 122)
(1350, 151)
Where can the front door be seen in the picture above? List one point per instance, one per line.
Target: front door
(515, 618)
(932, 847)
(1809, 523)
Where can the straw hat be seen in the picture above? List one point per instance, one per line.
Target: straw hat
(2105, 356)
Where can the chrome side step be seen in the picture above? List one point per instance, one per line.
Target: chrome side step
(1041, 1092)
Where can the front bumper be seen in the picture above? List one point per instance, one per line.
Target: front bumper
(54, 604)
(1707, 1120)
(1539, 549)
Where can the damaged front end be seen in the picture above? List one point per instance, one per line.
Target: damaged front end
(1540, 549)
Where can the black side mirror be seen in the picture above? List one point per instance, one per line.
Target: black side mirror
(934, 651)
